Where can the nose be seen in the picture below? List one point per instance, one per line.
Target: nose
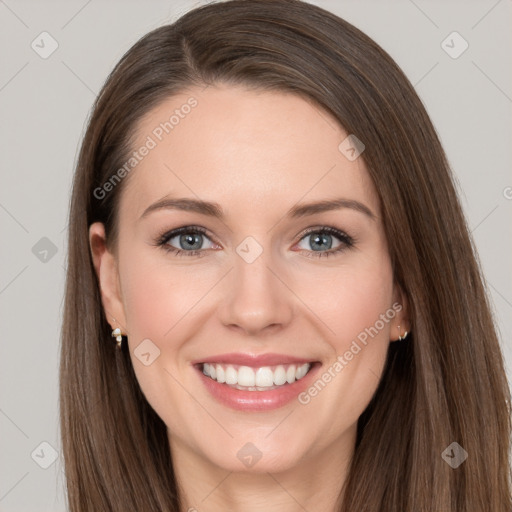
(257, 300)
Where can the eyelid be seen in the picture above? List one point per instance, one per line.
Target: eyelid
(168, 234)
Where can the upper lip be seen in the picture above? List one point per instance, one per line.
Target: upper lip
(253, 360)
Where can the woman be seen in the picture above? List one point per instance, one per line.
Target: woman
(214, 355)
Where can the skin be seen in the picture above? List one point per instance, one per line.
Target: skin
(257, 154)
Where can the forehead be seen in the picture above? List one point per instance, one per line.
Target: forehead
(243, 147)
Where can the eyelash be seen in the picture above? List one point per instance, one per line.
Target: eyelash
(161, 241)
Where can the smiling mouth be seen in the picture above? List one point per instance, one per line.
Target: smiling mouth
(264, 378)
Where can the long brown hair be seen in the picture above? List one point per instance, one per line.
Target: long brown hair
(446, 383)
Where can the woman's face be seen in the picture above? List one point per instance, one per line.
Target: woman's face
(265, 292)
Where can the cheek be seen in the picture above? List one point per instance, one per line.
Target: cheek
(156, 297)
(359, 311)
(356, 306)
(351, 299)
(157, 300)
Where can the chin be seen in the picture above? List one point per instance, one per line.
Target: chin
(255, 458)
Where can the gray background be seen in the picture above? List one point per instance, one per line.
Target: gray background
(44, 104)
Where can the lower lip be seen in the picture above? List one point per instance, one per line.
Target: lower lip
(257, 400)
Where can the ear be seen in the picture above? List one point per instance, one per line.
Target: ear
(401, 322)
(105, 265)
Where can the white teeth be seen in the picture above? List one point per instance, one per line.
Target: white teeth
(265, 377)
(246, 376)
(221, 376)
(231, 375)
(279, 376)
(301, 371)
(290, 374)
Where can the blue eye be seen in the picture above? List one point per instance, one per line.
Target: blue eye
(190, 239)
(322, 238)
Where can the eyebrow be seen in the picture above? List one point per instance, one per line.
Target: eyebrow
(215, 210)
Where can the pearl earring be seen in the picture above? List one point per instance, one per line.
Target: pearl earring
(117, 334)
